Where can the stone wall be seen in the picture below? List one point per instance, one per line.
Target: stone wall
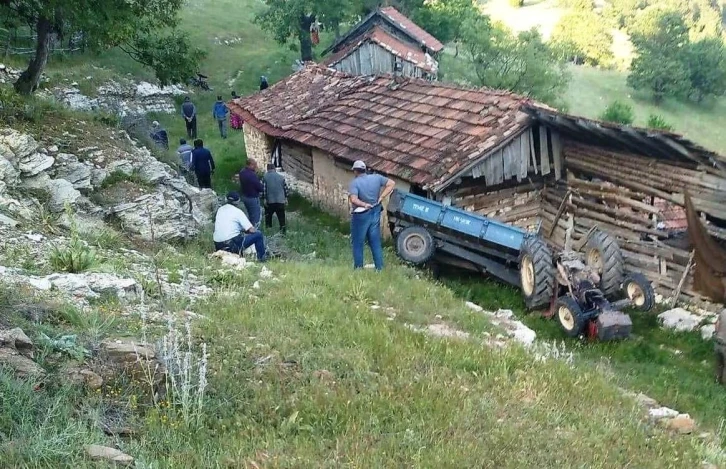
(257, 144)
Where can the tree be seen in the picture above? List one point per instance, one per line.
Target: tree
(444, 19)
(622, 12)
(706, 63)
(660, 38)
(523, 63)
(583, 37)
(136, 26)
(287, 19)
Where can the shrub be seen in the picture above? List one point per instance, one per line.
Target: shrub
(657, 122)
(77, 256)
(618, 112)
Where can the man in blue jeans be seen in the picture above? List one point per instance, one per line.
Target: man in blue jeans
(251, 188)
(366, 192)
(233, 232)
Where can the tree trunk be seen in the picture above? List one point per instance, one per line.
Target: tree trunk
(306, 44)
(29, 79)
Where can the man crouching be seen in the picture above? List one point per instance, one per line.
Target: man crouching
(233, 231)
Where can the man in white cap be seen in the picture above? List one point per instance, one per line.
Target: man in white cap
(366, 192)
(233, 231)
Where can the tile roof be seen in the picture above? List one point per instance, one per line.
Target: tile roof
(422, 132)
(416, 31)
(398, 48)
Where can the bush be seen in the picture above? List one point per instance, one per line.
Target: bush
(657, 122)
(77, 256)
(619, 113)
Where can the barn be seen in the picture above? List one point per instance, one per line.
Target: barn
(495, 153)
(383, 42)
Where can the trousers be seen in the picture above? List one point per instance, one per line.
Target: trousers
(275, 209)
(366, 227)
(241, 242)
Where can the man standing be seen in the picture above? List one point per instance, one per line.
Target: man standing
(202, 164)
(189, 113)
(219, 113)
(233, 232)
(251, 188)
(274, 194)
(367, 191)
(720, 338)
(185, 157)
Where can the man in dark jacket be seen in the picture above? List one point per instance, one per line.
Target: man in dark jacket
(202, 164)
(219, 113)
(263, 83)
(274, 195)
(189, 113)
(251, 188)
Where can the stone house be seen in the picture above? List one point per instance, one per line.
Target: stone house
(495, 153)
(383, 42)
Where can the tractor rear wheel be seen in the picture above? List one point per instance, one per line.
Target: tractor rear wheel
(569, 316)
(637, 288)
(415, 245)
(603, 255)
(536, 273)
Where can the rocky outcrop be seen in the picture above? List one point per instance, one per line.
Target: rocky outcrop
(178, 210)
(16, 353)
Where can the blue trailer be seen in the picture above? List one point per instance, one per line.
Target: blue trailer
(575, 285)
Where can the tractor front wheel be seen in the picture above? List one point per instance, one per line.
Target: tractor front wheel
(536, 273)
(639, 291)
(603, 255)
(569, 316)
(415, 245)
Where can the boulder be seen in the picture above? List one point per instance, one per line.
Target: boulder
(61, 193)
(95, 284)
(105, 453)
(16, 339)
(9, 175)
(153, 171)
(98, 175)
(18, 146)
(708, 331)
(7, 221)
(35, 164)
(22, 366)
(82, 375)
(134, 358)
(682, 424)
(659, 413)
(679, 319)
(122, 166)
(78, 174)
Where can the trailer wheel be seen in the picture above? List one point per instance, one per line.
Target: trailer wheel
(637, 288)
(415, 245)
(569, 316)
(536, 273)
(602, 253)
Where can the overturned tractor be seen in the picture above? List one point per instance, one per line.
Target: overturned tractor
(579, 285)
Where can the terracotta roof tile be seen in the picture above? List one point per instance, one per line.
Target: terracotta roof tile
(416, 130)
(412, 28)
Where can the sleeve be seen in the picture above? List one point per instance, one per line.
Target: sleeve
(383, 180)
(284, 188)
(194, 111)
(353, 188)
(264, 189)
(211, 160)
(243, 221)
(260, 187)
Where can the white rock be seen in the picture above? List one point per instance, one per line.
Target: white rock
(474, 307)
(679, 319)
(707, 331)
(40, 284)
(61, 192)
(4, 220)
(21, 145)
(98, 175)
(8, 174)
(153, 171)
(122, 166)
(524, 335)
(35, 164)
(265, 272)
(659, 413)
(109, 454)
(256, 285)
(78, 174)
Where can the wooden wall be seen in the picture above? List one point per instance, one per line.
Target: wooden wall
(297, 160)
(371, 59)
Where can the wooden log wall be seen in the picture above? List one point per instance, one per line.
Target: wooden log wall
(298, 161)
(518, 205)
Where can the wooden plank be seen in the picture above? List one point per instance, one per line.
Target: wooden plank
(523, 156)
(544, 151)
(557, 153)
(507, 162)
(497, 171)
(530, 137)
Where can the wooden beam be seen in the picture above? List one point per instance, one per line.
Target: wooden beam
(544, 154)
(557, 153)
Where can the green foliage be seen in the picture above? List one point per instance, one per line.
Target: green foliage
(444, 19)
(583, 37)
(619, 113)
(582, 5)
(657, 122)
(145, 30)
(660, 38)
(622, 12)
(706, 63)
(522, 63)
(516, 3)
(77, 256)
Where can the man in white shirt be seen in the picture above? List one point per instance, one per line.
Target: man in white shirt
(233, 231)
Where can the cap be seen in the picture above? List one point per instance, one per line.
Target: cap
(155, 123)
(359, 165)
(232, 197)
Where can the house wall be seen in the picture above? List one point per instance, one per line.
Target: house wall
(258, 145)
(372, 59)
